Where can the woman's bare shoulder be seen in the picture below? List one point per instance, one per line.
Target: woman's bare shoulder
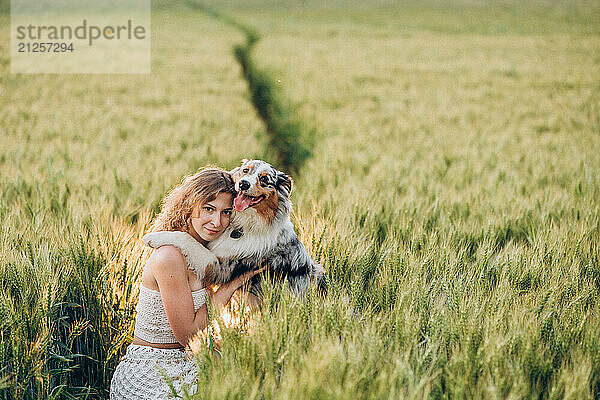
(166, 257)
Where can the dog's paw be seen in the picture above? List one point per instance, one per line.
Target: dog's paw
(158, 239)
(199, 259)
(318, 271)
(196, 255)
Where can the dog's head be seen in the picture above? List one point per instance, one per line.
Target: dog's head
(261, 187)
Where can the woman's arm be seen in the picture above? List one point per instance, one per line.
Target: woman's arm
(223, 295)
(170, 271)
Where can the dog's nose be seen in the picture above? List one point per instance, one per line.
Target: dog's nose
(244, 185)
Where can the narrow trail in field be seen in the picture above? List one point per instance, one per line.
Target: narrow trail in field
(289, 138)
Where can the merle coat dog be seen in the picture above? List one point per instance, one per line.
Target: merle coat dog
(260, 232)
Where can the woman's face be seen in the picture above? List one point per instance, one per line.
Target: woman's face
(210, 220)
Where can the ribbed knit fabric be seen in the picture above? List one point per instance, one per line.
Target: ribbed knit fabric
(139, 375)
(151, 322)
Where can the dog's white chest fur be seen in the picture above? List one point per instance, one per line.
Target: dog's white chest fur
(257, 238)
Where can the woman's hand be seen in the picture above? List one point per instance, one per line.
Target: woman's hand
(222, 296)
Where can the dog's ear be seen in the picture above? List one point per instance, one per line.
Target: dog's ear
(237, 169)
(285, 182)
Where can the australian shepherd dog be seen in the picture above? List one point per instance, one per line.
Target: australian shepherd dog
(260, 232)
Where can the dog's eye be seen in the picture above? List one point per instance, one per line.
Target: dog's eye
(245, 170)
(265, 181)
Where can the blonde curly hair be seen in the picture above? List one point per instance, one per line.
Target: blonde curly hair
(194, 191)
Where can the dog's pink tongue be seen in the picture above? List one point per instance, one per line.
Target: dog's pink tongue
(241, 202)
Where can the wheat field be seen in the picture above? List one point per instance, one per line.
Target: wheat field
(450, 190)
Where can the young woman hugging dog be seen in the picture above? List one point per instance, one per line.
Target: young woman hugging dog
(172, 303)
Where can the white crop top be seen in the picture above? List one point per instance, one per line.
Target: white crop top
(151, 323)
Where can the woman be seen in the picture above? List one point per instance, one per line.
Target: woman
(172, 304)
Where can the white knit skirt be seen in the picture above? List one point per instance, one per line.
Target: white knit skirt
(139, 375)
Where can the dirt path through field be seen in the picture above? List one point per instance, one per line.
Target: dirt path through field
(289, 138)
